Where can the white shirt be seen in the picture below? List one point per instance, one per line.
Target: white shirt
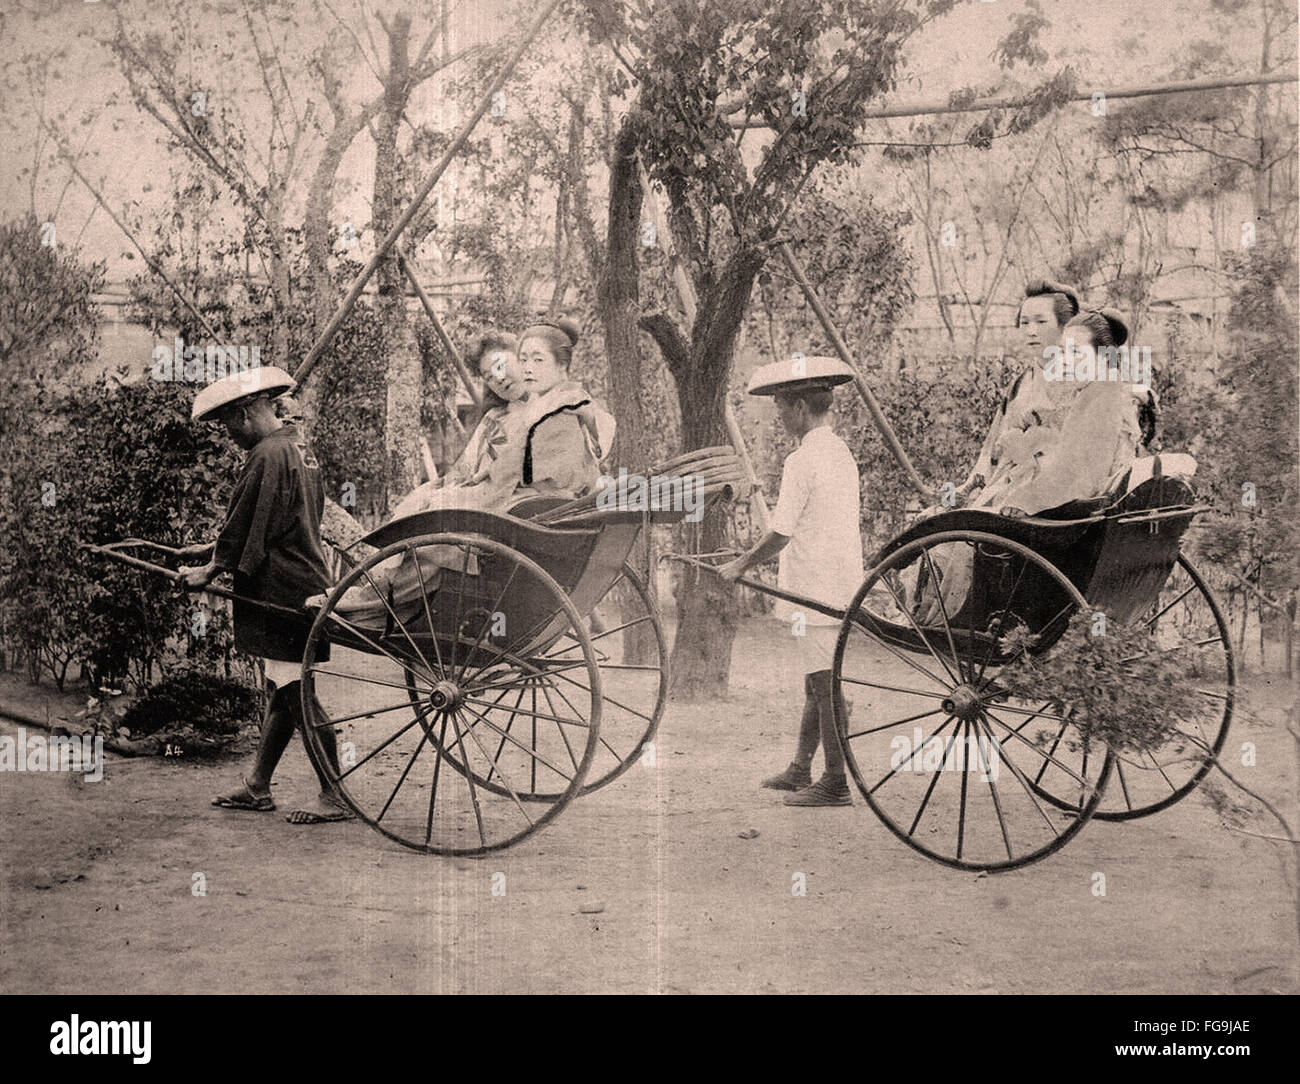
(818, 510)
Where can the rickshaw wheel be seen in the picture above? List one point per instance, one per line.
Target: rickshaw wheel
(1147, 783)
(449, 710)
(971, 822)
(634, 686)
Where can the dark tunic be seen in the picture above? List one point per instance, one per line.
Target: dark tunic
(271, 542)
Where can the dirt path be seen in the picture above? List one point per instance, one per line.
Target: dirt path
(97, 888)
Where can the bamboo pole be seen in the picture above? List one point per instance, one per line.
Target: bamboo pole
(841, 348)
(979, 105)
(457, 361)
(686, 294)
(453, 149)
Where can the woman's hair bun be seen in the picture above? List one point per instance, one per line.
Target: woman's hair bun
(569, 327)
(1118, 325)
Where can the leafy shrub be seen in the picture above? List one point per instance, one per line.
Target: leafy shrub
(99, 464)
(210, 705)
(1117, 688)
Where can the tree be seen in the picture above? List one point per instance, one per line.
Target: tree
(809, 71)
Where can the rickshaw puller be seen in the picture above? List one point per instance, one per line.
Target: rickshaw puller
(270, 542)
(815, 531)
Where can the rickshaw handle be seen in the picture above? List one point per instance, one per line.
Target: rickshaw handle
(761, 588)
(175, 577)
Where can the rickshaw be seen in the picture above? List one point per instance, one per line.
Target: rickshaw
(531, 669)
(952, 764)
(535, 670)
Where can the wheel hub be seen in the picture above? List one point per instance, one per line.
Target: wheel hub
(446, 696)
(963, 702)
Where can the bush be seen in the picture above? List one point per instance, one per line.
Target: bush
(1118, 689)
(98, 464)
(209, 707)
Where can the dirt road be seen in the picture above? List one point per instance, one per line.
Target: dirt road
(646, 886)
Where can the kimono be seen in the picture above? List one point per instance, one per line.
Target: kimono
(487, 471)
(546, 448)
(1053, 442)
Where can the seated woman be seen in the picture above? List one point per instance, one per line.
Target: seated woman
(1089, 430)
(568, 434)
(1083, 436)
(487, 471)
(1045, 310)
(552, 446)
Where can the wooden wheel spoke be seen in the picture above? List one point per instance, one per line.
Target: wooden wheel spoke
(1006, 608)
(895, 688)
(433, 793)
(393, 614)
(536, 714)
(531, 752)
(1031, 715)
(1156, 617)
(929, 790)
(496, 767)
(1081, 780)
(896, 722)
(496, 608)
(910, 756)
(355, 630)
(1042, 768)
(433, 632)
(943, 612)
(365, 714)
(961, 813)
(564, 737)
(604, 696)
(857, 624)
(469, 778)
(986, 769)
(954, 678)
(1020, 777)
(455, 629)
(361, 677)
(420, 714)
(424, 737)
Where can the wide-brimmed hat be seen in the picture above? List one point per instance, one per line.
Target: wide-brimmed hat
(263, 380)
(799, 374)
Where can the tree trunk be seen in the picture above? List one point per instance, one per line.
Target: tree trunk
(707, 607)
(619, 298)
(402, 417)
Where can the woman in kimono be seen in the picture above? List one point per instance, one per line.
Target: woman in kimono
(552, 445)
(1045, 310)
(568, 434)
(1083, 435)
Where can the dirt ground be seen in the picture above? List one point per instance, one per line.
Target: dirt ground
(646, 886)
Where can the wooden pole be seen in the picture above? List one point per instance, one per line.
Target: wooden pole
(453, 149)
(979, 105)
(457, 361)
(841, 348)
(686, 294)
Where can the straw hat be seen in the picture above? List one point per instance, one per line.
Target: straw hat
(264, 380)
(799, 374)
